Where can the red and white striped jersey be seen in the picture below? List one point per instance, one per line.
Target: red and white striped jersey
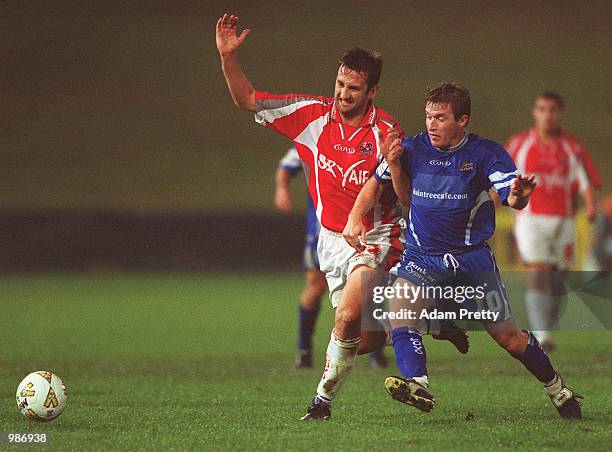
(562, 168)
(337, 158)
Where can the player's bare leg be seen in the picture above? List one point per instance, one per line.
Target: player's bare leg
(343, 345)
(372, 341)
(524, 346)
(375, 340)
(310, 303)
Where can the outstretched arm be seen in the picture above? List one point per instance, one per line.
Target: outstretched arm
(354, 231)
(228, 42)
(520, 191)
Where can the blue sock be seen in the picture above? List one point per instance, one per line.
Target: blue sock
(308, 319)
(536, 360)
(409, 352)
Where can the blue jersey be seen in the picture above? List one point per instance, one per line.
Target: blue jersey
(450, 207)
(292, 163)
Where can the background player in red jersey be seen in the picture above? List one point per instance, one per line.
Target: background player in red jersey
(337, 140)
(546, 229)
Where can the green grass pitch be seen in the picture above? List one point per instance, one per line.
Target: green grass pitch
(204, 361)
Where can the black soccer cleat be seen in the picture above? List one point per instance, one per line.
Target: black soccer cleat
(303, 359)
(410, 392)
(455, 335)
(567, 403)
(318, 410)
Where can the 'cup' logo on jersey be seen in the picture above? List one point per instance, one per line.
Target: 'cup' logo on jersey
(352, 174)
(344, 148)
(440, 162)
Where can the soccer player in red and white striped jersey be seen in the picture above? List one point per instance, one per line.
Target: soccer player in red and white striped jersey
(545, 229)
(339, 142)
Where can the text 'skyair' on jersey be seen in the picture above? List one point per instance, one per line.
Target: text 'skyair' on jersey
(338, 158)
(450, 206)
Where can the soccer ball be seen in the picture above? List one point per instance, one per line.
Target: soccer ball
(42, 396)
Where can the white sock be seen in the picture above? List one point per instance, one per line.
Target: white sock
(339, 361)
(541, 310)
(422, 380)
(554, 386)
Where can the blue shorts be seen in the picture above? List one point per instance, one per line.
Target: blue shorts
(467, 279)
(311, 258)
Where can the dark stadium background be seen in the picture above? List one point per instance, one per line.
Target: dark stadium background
(120, 144)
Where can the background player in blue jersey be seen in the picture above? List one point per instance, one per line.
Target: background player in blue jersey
(449, 173)
(315, 284)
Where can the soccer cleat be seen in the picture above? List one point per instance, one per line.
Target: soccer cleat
(455, 335)
(378, 360)
(410, 392)
(318, 410)
(567, 403)
(303, 359)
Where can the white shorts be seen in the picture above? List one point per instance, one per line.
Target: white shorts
(546, 239)
(338, 259)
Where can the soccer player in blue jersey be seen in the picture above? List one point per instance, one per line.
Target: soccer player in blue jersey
(449, 173)
(315, 284)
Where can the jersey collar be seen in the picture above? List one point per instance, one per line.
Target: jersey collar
(452, 148)
(369, 119)
(536, 136)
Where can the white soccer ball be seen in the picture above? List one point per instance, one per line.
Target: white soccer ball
(42, 396)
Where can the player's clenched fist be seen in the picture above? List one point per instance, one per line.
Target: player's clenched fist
(354, 233)
(228, 39)
(391, 147)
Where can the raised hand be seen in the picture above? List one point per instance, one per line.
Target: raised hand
(391, 147)
(521, 189)
(228, 39)
(523, 186)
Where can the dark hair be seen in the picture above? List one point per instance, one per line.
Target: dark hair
(552, 95)
(453, 94)
(365, 62)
